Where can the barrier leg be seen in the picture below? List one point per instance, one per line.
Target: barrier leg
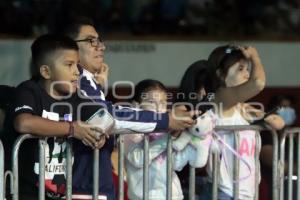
(96, 174)
(15, 164)
(192, 176)
(275, 183)
(290, 165)
(42, 144)
(257, 164)
(121, 167)
(169, 167)
(236, 170)
(298, 167)
(2, 178)
(281, 166)
(146, 168)
(69, 169)
(216, 173)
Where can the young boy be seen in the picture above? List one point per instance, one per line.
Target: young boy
(46, 106)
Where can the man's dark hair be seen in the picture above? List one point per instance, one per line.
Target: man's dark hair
(44, 46)
(72, 26)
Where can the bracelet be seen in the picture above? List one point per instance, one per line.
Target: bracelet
(71, 130)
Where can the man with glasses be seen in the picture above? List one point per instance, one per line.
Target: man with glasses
(91, 51)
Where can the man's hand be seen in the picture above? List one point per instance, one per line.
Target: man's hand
(180, 118)
(101, 76)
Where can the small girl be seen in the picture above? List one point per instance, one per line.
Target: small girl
(194, 91)
(236, 83)
(152, 95)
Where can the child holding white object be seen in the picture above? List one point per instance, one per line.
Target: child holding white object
(193, 93)
(151, 95)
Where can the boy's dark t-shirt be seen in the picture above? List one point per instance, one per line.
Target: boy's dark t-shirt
(32, 98)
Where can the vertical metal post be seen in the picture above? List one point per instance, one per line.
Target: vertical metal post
(69, 169)
(275, 182)
(192, 176)
(42, 144)
(216, 170)
(282, 165)
(121, 167)
(169, 167)
(236, 171)
(96, 174)
(15, 164)
(2, 178)
(298, 166)
(146, 168)
(290, 165)
(257, 163)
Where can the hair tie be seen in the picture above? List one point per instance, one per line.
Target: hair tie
(228, 50)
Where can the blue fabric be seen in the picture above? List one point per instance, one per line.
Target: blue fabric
(83, 159)
(83, 169)
(123, 113)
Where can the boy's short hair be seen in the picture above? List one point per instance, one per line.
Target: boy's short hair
(44, 46)
(72, 27)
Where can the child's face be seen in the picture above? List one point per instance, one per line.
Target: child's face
(64, 73)
(237, 74)
(91, 55)
(155, 100)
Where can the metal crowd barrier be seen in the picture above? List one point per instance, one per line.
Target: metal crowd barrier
(42, 142)
(216, 166)
(216, 161)
(289, 133)
(15, 167)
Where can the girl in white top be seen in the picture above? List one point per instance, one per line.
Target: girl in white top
(236, 83)
(151, 95)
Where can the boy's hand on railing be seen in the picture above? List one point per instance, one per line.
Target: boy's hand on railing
(89, 135)
(180, 118)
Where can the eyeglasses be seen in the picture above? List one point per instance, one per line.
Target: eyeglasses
(95, 42)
